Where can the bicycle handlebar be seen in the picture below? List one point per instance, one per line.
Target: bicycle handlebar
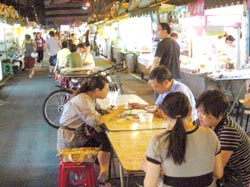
(108, 68)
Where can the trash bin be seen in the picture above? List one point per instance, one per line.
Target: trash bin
(130, 62)
(7, 68)
(114, 52)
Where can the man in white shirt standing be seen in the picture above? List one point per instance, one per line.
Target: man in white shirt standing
(53, 45)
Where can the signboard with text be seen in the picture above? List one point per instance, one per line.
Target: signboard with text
(196, 9)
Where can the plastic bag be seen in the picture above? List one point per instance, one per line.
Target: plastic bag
(34, 55)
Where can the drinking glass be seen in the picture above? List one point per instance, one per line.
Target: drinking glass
(112, 95)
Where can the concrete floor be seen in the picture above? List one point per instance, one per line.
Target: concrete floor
(28, 144)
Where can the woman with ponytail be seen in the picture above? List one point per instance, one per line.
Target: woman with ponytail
(186, 154)
(81, 121)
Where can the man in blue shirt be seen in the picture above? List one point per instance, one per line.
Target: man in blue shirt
(162, 82)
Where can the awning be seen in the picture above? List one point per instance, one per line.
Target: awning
(133, 4)
(209, 4)
(144, 11)
(145, 3)
(176, 2)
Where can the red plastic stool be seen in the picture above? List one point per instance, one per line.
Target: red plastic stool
(76, 174)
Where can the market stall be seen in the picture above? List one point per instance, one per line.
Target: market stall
(209, 54)
(12, 26)
(7, 40)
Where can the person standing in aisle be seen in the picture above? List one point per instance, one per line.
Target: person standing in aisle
(40, 47)
(87, 39)
(96, 44)
(29, 47)
(167, 53)
(53, 45)
(174, 35)
(73, 38)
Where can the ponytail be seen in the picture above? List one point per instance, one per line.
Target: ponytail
(176, 105)
(177, 142)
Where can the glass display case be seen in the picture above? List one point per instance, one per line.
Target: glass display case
(6, 39)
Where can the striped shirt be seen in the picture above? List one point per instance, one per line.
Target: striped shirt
(233, 138)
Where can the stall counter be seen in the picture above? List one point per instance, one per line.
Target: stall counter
(231, 80)
(144, 61)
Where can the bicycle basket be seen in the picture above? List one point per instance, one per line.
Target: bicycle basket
(78, 155)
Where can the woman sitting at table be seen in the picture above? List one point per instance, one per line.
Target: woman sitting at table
(82, 122)
(187, 155)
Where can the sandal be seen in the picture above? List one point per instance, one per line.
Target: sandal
(103, 184)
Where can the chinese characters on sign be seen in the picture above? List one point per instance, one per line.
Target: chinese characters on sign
(196, 9)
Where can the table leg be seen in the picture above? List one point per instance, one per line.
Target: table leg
(121, 175)
(236, 99)
(228, 91)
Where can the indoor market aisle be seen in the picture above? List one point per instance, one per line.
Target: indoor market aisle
(28, 144)
(28, 154)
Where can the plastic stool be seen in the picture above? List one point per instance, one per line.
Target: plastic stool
(76, 174)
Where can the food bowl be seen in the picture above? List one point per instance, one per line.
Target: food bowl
(146, 117)
(151, 108)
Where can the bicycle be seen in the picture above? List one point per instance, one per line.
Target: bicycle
(54, 102)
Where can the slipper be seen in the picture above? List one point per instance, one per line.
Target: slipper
(103, 184)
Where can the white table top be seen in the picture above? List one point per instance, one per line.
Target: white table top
(122, 100)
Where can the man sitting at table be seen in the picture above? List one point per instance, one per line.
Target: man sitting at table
(162, 82)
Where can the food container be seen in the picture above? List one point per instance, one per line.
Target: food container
(146, 117)
(151, 108)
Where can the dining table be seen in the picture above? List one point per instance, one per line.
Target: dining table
(123, 99)
(226, 81)
(130, 148)
(129, 120)
(128, 136)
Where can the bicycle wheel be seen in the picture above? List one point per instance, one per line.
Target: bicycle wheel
(53, 106)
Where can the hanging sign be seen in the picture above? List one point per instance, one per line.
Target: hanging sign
(197, 8)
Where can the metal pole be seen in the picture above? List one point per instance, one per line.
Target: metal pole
(238, 49)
